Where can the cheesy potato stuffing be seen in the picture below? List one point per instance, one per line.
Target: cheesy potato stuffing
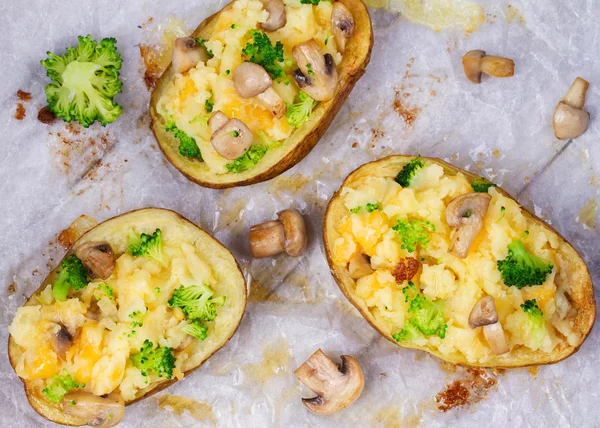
(380, 213)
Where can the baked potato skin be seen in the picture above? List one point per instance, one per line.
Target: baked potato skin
(51, 411)
(302, 141)
(582, 289)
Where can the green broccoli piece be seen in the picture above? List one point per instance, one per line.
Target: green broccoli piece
(59, 386)
(84, 81)
(427, 317)
(72, 274)
(263, 53)
(481, 185)
(413, 232)
(313, 2)
(147, 245)
(209, 105)
(370, 207)
(502, 212)
(159, 361)
(248, 160)
(187, 144)
(196, 329)
(408, 171)
(137, 319)
(202, 42)
(521, 268)
(106, 290)
(197, 302)
(299, 112)
(536, 322)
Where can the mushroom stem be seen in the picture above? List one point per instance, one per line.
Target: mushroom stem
(495, 337)
(101, 412)
(217, 120)
(342, 24)
(273, 102)
(476, 62)
(575, 96)
(287, 233)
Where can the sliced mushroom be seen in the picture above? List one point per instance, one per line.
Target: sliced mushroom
(277, 17)
(342, 24)
(102, 412)
(570, 119)
(476, 62)
(483, 313)
(61, 340)
(336, 387)
(232, 140)
(317, 74)
(187, 53)
(97, 257)
(287, 233)
(495, 337)
(187, 340)
(359, 266)
(466, 214)
(217, 120)
(251, 80)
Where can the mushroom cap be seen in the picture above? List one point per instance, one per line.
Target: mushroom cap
(102, 412)
(316, 74)
(217, 120)
(569, 122)
(336, 388)
(495, 337)
(466, 213)
(267, 239)
(277, 17)
(232, 140)
(187, 54)
(97, 257)
(295, 232)
(342, 24)
(359, 266)
(483, 313)
(472, 65)
(250, 79)
(61, 340)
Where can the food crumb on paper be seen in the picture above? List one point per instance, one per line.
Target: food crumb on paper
(20, 113)
(24, 96)
(46, 116)
(469, 390)
(513, 15)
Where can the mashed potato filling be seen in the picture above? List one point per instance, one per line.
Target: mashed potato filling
(184, 101)
(455, 284)
(112, 319)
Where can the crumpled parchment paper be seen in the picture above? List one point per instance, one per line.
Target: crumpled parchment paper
(414, 99)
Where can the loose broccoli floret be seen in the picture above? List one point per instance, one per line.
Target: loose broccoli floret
(159, 361)
(263, 53)
(408, 171)
(481, 185)
(187, 144)
(147, 245)
(301, 109)
(59, 386)
(427, 317)
(196, 329)
(370, 207)
(197, 302)
(536, 322)
(522, 269)
(72, 274)
(248, 160)
(84, 82)
(413, 232)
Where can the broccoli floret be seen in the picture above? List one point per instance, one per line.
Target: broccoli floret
(106, 290)
(413, 232)
(427, 317)
(248, 160)
(481, 185)
(408, 171)
(299, 112)
(202, 42)
(370, 207)
(196, 329)
(59, 386)
(502, 212)
(522, 269)
(137, 319)
(209, 105)
(197, 302)
(72, 274)
(313, 2)
(147, 245)
(84, 81)
(187, 144)
(263, 53)
(159, 361)
(536, 322)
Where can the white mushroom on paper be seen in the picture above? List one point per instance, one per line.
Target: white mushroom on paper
(316, 74)
(187, 53)
(476, 62)
(251, 80)
(287, 233)
(336, 387)
(484, 315)
(466, 213)
(570, 119)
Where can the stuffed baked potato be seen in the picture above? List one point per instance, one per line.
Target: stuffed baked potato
(250, 93)
(138, 302)
(438, 259)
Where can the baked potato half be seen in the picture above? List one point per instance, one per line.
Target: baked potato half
(438, 259)
(183, 102)
(149, 297)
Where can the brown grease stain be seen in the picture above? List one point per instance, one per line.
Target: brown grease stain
(289, 183)
(71, 234)
(587, 214)
(276, 360)
(469, 390)
(199, 410)
(260, 293)
(12, 288)
(533, 370)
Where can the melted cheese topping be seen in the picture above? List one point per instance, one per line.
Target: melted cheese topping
(184, 99)
(459, 283)
(99, 355)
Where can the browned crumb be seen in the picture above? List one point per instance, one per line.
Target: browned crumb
(20, 113)
(465, 391)
(406, 269)
(153, 69)
(24, 96)
(46, 116)
(12, 288)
